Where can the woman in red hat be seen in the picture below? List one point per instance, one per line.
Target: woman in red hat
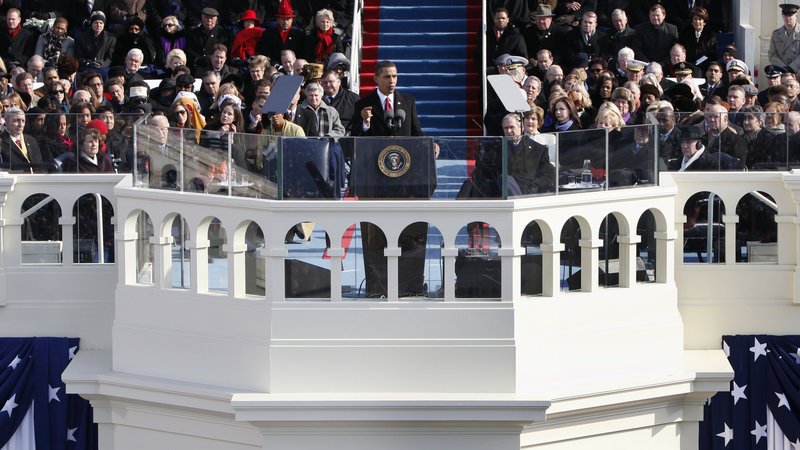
(244, 43)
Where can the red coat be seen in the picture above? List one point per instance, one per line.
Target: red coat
(244, 44)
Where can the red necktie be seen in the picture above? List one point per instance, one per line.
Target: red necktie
(388, 105)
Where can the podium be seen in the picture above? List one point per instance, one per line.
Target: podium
(393, 167)
(396, 168)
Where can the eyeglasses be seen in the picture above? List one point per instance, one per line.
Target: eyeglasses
(180, 111)
(169, 25)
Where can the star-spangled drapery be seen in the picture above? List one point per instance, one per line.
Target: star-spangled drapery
(30, 375)
(766, 377)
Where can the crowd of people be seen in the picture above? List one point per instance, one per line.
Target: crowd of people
(70, 70)
(609, 64)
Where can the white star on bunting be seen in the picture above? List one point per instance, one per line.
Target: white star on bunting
(727, 434)
(759, 431)
(53, 394)
(71, 434)
(10, 405)
(758, 349)
(15, 362)
(782, 401)
(738, 392)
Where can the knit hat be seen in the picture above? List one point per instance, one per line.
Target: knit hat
(98, 125)
(97, 15)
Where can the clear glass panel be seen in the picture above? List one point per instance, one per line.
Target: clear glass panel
(582, 160)
(632, 158)
(420, 263)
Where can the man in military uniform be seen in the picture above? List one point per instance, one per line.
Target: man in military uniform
(784, 46)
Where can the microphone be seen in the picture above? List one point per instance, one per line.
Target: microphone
(400, 116)
(389, 117)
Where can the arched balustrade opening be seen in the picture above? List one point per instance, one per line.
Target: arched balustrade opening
(704, 229)
(93, 230)
(307, 268)
(756, 230)
(532, 240)
(478, 266)
(40, 232)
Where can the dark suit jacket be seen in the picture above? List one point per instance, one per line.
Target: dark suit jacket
(618, 40)
(695, 48)
(576, 44)
(552, 39)
(307, 120)
(13, 159)
(200, 44)
(18, 49)
(728, 142)
(705, 162)
(344, 103)
(528, 165)
(651, 44)
(378, 126)
(511, 42)
(271, 44)
(96, 52)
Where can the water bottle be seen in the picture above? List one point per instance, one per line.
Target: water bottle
(586, 174)
(232, 171)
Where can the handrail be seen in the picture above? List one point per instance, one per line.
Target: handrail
(355, 47)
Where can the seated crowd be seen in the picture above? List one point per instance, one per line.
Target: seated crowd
(71, 77)
(584, 67)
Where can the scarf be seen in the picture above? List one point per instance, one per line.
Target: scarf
(52, 47)
(564, 126)
(324, 44)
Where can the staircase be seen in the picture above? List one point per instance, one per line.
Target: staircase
(432, 46)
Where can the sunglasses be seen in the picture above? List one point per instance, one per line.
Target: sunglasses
(180, 111)
(59, 92)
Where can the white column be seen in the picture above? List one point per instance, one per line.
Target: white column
(274, 278)
(665, 255)
(730, 221)
(449, 255)
(126, 257)
(392, 258)
(551, 263)
(67, 241)
(237, 286)
(510, 273)
(198, 252)
(162, 261)
(336, 255)
(627, 260)
(589, 263)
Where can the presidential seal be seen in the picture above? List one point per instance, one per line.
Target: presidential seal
(394, 161)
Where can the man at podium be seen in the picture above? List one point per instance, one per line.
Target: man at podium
(386, 112)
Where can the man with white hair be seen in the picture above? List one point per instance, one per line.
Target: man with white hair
(622, 34)
(133, 61)
(19, 153)
(35, 66)
(619, 66)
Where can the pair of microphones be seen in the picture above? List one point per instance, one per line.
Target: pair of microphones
(394, 119)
